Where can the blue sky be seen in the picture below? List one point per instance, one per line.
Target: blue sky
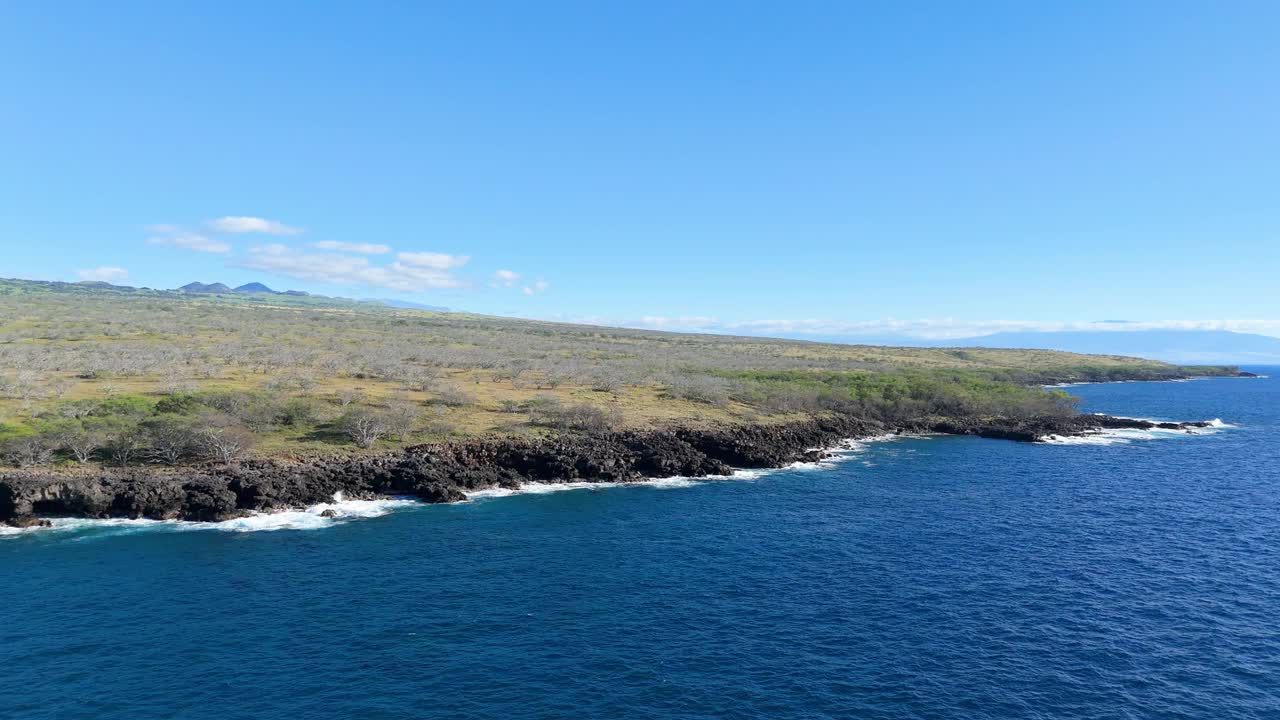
(934, 167)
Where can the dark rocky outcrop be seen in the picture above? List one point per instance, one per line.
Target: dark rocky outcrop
(444, 472)
(1037, 429)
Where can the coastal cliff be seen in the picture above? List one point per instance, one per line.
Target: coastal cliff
(444, 472)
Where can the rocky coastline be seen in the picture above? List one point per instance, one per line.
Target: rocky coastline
(445, 472)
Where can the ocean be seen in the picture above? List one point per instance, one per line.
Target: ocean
(1131, 575)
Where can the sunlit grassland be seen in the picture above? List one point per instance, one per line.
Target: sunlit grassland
(456, 375)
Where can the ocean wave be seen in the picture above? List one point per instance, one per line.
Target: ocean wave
(1122, 436)
(61, 526)
(310, 518)
(313, 517)
(535, 488)
(843, 451)
(1213, 424)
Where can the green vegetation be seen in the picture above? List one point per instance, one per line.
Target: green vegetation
(897, 395)
(125, 375)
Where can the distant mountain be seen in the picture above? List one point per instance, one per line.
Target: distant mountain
(406, 305)
(255, 287)
(215, 288)
(1186, 347)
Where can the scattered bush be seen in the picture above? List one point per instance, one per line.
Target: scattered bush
(81, 438)
(298, 411)
(169, 438)
(348, 396)
(24, 447)
(550, 412)
(700, 388)
(123, 443)
(221, 440)
(364, 427)
(454, 397)
(179, 404)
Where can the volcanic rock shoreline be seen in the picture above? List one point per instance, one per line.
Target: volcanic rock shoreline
(444, 472)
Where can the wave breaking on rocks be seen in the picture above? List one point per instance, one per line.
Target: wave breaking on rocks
(255, 494)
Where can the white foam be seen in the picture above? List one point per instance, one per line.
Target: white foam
(1121, 436)
(536, 488)
(1211, 425)
(1104, 437)
(310, 518)
(844, 450)
(68, 526)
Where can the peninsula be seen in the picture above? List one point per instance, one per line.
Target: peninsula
(203, 405)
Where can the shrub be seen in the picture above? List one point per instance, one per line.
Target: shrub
(77, 409)
(255, 410)
(123, 442)
(454, 397)
(222, 440)
(298, 411)
(700, 388)
(178, 404)
(126, 406)
(23, 446)
(549, 412)
(400, 418)
(347, 396)
(365, 427)
(81, 438)
(169, 438)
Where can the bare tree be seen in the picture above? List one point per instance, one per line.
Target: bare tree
(401, 416)
(124, 444)
(76, 410)
(364, 427)
(454, 397)
(224, 443)
(27, 451)
(169, 439)
(79, 438)
(420, 379)
(347, 396)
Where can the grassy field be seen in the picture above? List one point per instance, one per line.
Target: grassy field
(297, 374)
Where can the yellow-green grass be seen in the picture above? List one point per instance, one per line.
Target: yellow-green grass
(61, 343)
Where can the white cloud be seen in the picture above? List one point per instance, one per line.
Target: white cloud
(536, 288)
(684, 322)
(506, 278)
(176, 237)
(105, 273)
(935, 329)
(272, 249)
(339, 269)
(433, 260)
(237, 224)
(362, 248)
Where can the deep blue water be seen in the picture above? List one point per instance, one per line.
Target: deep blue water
(921, 578)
